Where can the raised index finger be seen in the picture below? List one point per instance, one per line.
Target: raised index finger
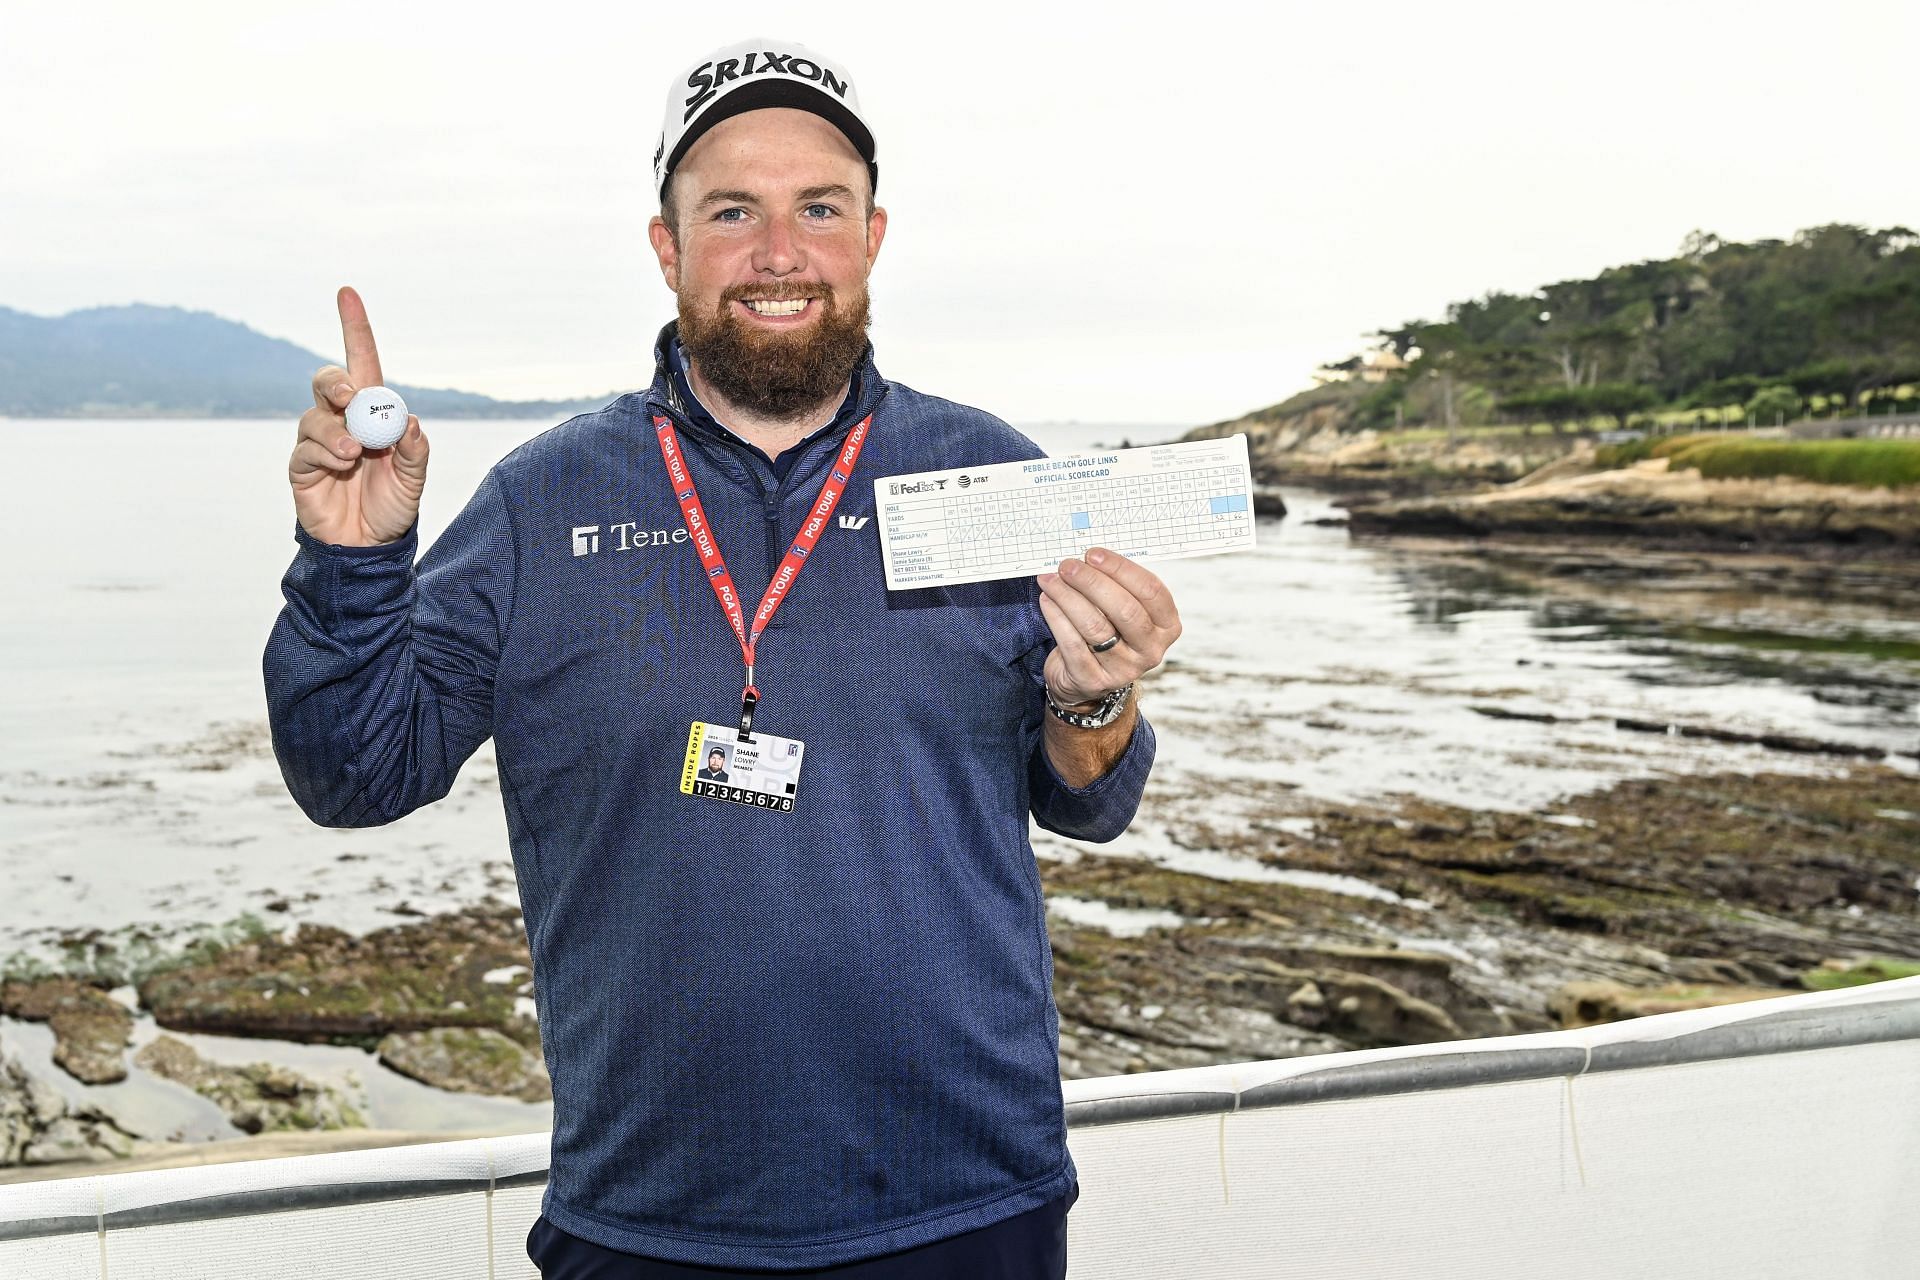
(363, 361)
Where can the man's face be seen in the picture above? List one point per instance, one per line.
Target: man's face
(715, 760)
(771, 258)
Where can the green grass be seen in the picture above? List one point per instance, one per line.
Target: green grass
(1629, 452)
(1414, 435)
(1859, 975)
(1865, 463)
(1853, 642)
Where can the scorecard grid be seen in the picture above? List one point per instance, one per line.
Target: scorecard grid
(1017, 519)
(1163, 515)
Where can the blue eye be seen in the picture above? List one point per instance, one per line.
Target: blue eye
(725, 214)
(821, 211)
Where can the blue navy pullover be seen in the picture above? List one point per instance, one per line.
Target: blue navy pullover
(777, 1040)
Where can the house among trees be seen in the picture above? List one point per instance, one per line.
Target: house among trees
(1372, 366)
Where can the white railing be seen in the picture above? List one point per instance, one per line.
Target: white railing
(1773, 1139)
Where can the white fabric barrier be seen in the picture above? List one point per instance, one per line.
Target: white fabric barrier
(1773, 1139)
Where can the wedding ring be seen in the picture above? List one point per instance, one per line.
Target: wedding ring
(1106, 644)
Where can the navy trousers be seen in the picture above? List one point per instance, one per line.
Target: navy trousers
(1027, 1246)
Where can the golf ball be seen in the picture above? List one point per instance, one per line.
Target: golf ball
(376, 417)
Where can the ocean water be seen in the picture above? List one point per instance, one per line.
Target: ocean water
(137, 786)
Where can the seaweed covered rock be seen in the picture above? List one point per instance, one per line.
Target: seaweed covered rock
(1437, 922)
(469, 1060)
(1649, 505)
(39, 1126)
(1586, 1004)
(91, 1030)
(321, 984)
(257, 1098)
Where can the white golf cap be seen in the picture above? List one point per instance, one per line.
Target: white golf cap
(748, 76)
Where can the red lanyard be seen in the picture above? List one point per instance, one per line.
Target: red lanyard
(790, 564)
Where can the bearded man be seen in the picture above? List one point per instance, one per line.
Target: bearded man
(803, 1024)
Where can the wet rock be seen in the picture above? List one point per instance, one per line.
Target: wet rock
(1364, 1011)
(1420, 974)
(1268, 502)
(1664, 892)
(1771, 741)
(1725, 971)
(1241, 989)
(322, 984)
(91, 1030)
(1732, 867)
(1585, 1004)
(1508, 713)
(1307, 1006)
(259, 1097)
(1107, 1035)
(469, 1060)
(1650, 506)
(39, 1126)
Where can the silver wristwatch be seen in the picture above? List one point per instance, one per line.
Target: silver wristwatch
(1104, 713)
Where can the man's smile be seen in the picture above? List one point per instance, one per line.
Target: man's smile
(775, 308)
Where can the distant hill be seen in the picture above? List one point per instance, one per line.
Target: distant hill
(145, 361)
(1827, 322)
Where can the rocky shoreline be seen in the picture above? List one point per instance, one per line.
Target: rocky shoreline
(1649, 507)
(1643, 897)
(1317, 451)
(442, 1000)
(1522, 486)
(1318, 926)
(1398, 923)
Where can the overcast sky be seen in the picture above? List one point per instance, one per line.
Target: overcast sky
(1120, 213)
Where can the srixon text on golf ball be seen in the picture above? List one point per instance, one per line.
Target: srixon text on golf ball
(376, 416)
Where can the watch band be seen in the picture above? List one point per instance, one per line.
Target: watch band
(1104, 713)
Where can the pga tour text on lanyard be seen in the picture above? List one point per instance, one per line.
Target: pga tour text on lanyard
(790, 564)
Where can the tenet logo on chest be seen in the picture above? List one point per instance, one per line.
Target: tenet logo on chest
(625, 536)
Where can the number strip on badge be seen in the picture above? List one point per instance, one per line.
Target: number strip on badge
(762, 772)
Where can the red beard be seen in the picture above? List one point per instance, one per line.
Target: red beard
(775, 374)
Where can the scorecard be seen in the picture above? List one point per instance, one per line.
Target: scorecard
(1015, 519)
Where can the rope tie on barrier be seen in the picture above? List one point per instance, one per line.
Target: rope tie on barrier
(100, 1226)
(1573, 1119)
(1226, 1192)
(488, 1149)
